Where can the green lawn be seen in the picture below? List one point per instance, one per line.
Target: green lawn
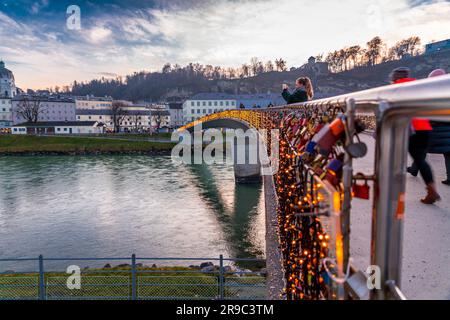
(152, 283)
(24, 144)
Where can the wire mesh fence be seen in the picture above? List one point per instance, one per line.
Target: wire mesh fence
(217, 279)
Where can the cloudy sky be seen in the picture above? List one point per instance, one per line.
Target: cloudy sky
(124, 36)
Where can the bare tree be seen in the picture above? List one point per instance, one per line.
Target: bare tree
(280, 64)
(269, 66)
(118, 113)
(245, 70)
(374, 50)
(29, 109)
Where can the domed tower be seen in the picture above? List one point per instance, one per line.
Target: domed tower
(7, 83)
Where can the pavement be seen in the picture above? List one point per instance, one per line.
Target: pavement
(426, 247)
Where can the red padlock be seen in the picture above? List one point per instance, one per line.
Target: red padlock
(361, 191)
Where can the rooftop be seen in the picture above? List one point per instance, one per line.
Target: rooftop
(57, 124)
(44, 98)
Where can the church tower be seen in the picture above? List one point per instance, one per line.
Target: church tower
(7, 83)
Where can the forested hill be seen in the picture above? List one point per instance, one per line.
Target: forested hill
(184, 82)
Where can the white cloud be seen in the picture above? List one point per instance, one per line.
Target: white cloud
(221, 32)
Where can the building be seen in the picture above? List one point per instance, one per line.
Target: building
(133, 118)
(317, 67)
(160, 119)
(5, 113)
(59, 128)
(7, 82)
(175, 110)
(203, 104)
(437, 46)
(49, 108)
(93, 103)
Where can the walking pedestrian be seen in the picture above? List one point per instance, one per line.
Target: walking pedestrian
(419, 141)
(439, 140)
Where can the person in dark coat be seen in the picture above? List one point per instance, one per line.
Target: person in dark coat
(419, 141)
(439, 139)
(303, 91)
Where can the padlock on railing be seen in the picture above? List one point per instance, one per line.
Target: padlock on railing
(361, 191)
(329, 135)
(334, 170)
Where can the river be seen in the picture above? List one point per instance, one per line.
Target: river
(113, 206)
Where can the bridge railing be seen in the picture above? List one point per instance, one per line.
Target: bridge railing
(392, 108)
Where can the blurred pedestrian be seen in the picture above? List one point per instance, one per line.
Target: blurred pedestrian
(419, 141)
(439, 140)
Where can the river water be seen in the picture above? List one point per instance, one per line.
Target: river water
(113, 206)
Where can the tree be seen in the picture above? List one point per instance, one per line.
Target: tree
(269, 67)
(167, 68)
(280, 64)
(374, 50)
(353, 53)
(118, 114)
(29, 109)
(245, 70)
(254, 65)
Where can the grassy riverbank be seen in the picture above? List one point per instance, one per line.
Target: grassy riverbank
(151, 283)
(14, 144)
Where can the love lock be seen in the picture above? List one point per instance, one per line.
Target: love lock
(357, 150)
(361, 191)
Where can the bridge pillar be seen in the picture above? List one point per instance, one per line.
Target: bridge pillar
(247, 164)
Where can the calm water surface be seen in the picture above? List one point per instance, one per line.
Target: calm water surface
(113, 206)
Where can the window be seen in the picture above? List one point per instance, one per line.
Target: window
(198, 110)
(209, 103)
(59, 129)
(210, 111)
(221, 103)
(192, 104)
(198, 103)
(227, 103)
(65, 129)
(204, 103)
(215, 103)
(232, 103)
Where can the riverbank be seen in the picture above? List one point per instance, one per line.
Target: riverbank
(54, 145)
(151, 283)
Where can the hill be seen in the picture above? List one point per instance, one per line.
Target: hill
(184, 83)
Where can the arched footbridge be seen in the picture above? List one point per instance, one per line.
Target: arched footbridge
(310, 195)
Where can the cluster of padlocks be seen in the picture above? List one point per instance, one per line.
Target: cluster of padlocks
(314, 148)
(312, 153)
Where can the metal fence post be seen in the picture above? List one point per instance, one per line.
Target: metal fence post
(41, 278)
(133, 277)
(221, 279)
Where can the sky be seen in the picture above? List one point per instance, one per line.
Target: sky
(120, 37)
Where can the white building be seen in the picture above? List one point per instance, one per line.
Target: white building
(5, 113)
(51, 108)
(93, 103)
(203, 104)
(134, 118)
(176, 114)
(7, 84)
(59, 128)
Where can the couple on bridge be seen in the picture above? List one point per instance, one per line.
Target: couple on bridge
(426, 137)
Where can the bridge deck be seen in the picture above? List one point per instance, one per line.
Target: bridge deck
(426, 260)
